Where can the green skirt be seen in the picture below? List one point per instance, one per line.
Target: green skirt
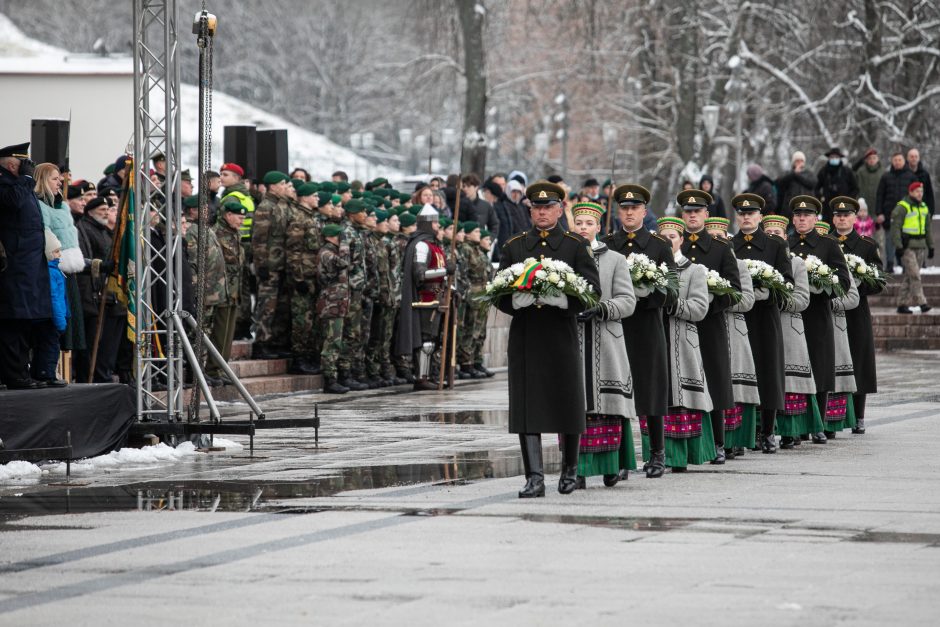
(680, 452)
(743, 436)
(848, 422)
(796, 425)
(611, 462)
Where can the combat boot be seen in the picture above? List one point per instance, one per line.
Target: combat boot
(486, 371)
(332, 386)
(346, 380)
(303, 366)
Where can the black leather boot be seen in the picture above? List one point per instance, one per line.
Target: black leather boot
(332, 386)
(786, 442)
(656, 467)
(568, 481)
(347, 381)
(657, 464)
(612, 480)
(768, 417)
(531, 444)
(768, 444)
(719, 455)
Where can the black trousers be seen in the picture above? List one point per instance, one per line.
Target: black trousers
(112, 330)
(15, 335)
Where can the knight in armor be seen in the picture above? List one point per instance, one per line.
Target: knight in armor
(424, 273)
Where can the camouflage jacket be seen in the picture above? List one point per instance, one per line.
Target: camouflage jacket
(383, 270)
(357, 263)
(216, 286)
(333, 277)
(303, 244)
(478, 266)
(371, 288)
(234, 255)
(395, 263)
(461, 278)
(269, 233)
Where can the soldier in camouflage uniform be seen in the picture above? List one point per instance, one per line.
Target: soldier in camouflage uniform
(474, 267)
(332, 303)
(268, 242)
(215, 287)
(303, 244)
(395, 252)
(232, 178)
(479, 333)
(378, 356)
(228, 233)
(369, 295)
(358, 275)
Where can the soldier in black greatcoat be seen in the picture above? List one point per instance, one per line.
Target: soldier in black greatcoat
(643, 332)
(715, 254)
(765, 333)
(817, 318)
(546, 381)
(861, 338)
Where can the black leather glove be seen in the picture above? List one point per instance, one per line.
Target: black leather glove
(106, 267)
(263, 273)
(930, 253)
(57, 201)
(588, 314)
(301, 287)
(26, 167)
(671, 299)
(451, 266)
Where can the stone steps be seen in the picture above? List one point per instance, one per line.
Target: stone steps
(894, 331)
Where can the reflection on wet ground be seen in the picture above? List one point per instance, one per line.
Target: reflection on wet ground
(477, 417)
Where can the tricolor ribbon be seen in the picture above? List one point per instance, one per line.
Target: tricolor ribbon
(527, 278)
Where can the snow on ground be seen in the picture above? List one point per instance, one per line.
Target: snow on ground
(19, 473)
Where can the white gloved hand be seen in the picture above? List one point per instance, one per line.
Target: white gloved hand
(560, 301)
(857, 281)
(761, 293)
(814, 290)
(521, 300)
(641, 291)
(711, 297)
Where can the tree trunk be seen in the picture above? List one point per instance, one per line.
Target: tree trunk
(473, 155)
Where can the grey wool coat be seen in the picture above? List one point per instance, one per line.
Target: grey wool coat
(799, 372)
(743, 371)
(687, 384)
(608, 384)
(845, 369)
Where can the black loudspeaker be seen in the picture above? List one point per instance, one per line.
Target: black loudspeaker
(49, 141)
(272, 151)
(241, 148)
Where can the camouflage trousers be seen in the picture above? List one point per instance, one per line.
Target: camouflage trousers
(472, 334)
(272, 312)
(248, 288)
(304, 329)
(911, 293)
(378, 353)
(331, 330)
(223, 330)
(365, 334)
(350, 358)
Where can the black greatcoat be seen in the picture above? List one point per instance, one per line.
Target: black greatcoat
(409, 324)
(546, 379)
(861, 338)
(817, 318)
(24, 285)
(643, 332)
(715, 254)
(764, 330)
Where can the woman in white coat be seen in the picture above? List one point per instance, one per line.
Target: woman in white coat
(607, 443)
(689, 437)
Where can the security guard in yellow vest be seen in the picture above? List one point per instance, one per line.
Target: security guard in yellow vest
(910, 231)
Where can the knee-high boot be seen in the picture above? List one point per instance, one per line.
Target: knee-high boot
(768, 442)
(718, 429)
(531, 445)
(822, 399)
(859, 400)
(568, 481)
(656, 466)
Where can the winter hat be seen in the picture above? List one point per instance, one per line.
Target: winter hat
(515, 186)
(754, 172)
(52, 244)
(798, 156)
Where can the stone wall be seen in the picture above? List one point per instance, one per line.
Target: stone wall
(497, 339)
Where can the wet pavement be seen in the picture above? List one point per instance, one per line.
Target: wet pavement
(406, 514)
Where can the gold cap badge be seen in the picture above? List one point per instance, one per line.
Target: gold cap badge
(542, 194)
(802, 203)
(629, 195)
(746, 203)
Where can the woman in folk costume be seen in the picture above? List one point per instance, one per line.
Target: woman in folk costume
(689, 438)
(607, 442)
(741, 420)
(801, 415)
(840, 413)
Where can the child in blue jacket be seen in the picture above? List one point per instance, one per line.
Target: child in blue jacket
(46, 343)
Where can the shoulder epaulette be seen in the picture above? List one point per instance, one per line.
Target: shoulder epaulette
(512, 239)
(660, 238)
(722, 240)
(865, 238)
(575, 237)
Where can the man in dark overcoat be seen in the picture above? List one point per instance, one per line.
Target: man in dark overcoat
(817, 317)
(546, 382)
(715, 254)
(643, 332)
(861, 337)
(765, 334)
(24, 283)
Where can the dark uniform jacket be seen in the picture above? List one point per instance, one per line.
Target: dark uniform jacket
(834, 181)
(95, 239)
(24, 285)
(715, 254)
(861, 339)
(643, 332)
(765, 333)
(817, 317)
(546, 382)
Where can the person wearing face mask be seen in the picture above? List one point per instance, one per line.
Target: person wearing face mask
(834, 179)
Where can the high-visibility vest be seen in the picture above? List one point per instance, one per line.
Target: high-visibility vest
(915, 221)
(248, 204)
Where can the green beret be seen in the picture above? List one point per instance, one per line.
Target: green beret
(233, 205)
(414, 209)
(355, 206)
(379, 181)
(387, 203)
(325, 198)
(109, 170)
(484, 233)
(331, 230)
(445, 222)
(274, 177)
(357, 194)
(328, 186)
(380, 216)
(297, 183)
(342, 187)
(307, 189)
(191, 202)
(404, 196)
(469, 226)
(408, 219)
(186, 176)
(336, 198)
